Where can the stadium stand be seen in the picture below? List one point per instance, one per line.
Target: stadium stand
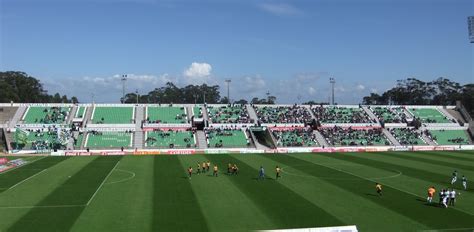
(218, 137)
(108, 139)
(339, 136)
(170, 139)
(46, 115)
(429, 115)
(298, 137)
(80, 113)
(407, 136)
(283, 114)
(332, 114)
(448, 137)
(112, 115)
(78, 140)
(228, 114)
(41, 139)
(389, 114)
(166, 115)
(197, 111)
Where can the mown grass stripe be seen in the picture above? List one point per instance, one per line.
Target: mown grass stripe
(77, 190)
(448, 155)
(175, 207)
(419, 174)
(398, 201)
(424, 159)
(283, 206)
(11, 178)
(223, 204)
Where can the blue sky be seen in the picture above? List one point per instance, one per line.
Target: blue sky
(289, 48)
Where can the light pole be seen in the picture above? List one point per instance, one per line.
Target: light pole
(228, 84)
(136, 93)
(333, 82)
(124, 79)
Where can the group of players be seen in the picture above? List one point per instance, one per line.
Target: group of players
(232, 169)
(447, 197)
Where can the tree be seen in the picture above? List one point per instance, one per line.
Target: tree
(241, 101)
(411, 91)
(20, 87)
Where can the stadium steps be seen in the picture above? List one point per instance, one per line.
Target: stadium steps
(88, 115)
(251, 112)
(6, 113)
(310, 111)
(8, 140)
(371, 114)
(456, 115)
(428, 140)
(138, 140)
(446, 113)
(320, 138)
(17, 117)
(72, 113)
(82, 146)
(70, 143)
(204, 113)
(390, 137)
(189, 112)
(201, 139)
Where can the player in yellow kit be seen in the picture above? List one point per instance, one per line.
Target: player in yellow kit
(216, 170)
(378, 188)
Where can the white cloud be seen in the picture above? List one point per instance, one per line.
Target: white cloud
(360, 87)
(280, 9)
(198, 70)
(311, 91)
(374, 90)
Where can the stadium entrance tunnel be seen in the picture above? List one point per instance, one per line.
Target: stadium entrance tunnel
(262, 135)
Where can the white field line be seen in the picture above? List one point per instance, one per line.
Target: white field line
(40, 206)
(26, 179)
(11, 169)
(414, 194)
(103, 181)
(125, 179)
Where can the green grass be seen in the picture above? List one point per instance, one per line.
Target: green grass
(153, 193)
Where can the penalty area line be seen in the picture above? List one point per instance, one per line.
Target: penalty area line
(26, 179)
(101, 184)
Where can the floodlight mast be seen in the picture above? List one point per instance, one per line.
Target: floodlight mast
(333, 82)
(227, 81)
(124, 79)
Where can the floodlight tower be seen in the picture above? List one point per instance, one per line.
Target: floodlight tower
(136, 94)
(470, 23)
(124, 79)
(227, 81)
(333, 82)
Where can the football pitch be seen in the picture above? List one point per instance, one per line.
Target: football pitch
(154, 193)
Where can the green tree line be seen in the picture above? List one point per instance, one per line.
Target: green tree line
(20, 87)
(412, 91)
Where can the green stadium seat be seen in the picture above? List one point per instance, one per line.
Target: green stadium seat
(112, 115)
